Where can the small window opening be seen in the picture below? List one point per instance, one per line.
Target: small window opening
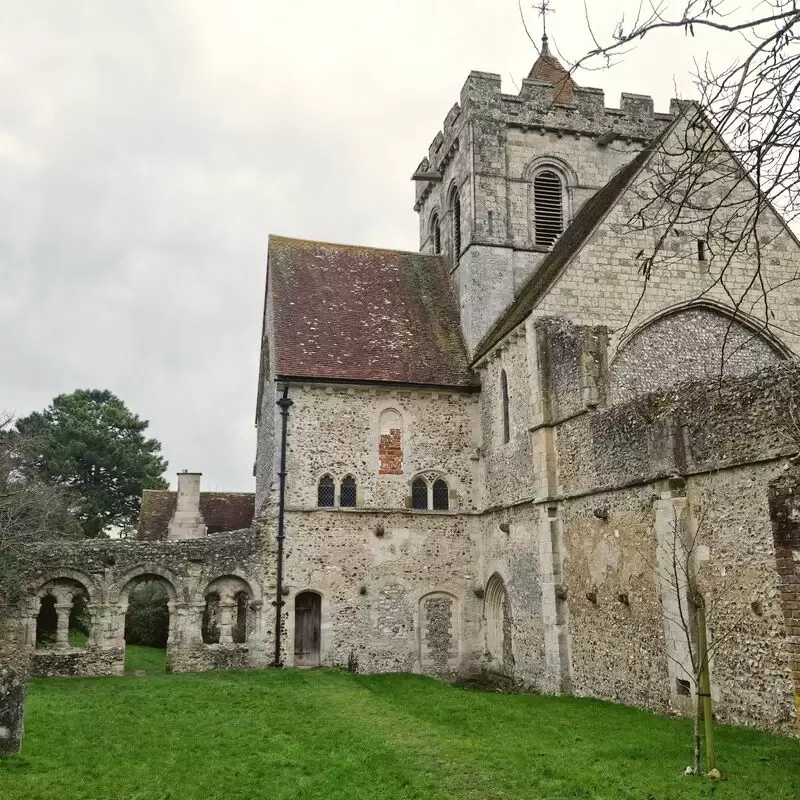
(455, 209)
(441, 496)
(437, 235)
(701, 250)
(504, 393)
(419, 494)
(347, 492)
(490, 223)
(682, 687)
(239, 631)
(325, 492)
(209, 625)
(548, 205)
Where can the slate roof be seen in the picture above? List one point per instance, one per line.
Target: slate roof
(363, 314)
(572, 240)
(222, 511)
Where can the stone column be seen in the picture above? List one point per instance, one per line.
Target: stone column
(227, 609)
(62, 632)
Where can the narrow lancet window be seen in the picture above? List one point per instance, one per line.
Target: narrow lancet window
(441, 495)
(436, 234)
(347, 492)
(325, 492)
(504, 400)
(419, 494)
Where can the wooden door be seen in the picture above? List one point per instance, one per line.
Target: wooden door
(307, 620)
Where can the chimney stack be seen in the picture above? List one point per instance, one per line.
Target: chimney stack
(187, 521)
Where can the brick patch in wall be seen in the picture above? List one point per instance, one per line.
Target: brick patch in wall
(390, 453)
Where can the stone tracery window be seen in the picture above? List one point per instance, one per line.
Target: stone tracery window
(430, 493)
(548, 206)
(347, 492)
(325, 492)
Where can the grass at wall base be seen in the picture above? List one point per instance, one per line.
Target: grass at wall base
(330, 734)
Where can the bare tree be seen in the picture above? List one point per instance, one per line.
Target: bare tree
(717, 180)
(30, 511)
(694, 599)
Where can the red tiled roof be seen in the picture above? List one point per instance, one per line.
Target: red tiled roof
(548, 69)
(363, 314)
(222, 511)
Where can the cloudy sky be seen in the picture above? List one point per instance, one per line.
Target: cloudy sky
(148, 148)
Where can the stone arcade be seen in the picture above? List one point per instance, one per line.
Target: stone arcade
(489, 440)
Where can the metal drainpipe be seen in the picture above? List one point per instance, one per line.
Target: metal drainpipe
(284, 404)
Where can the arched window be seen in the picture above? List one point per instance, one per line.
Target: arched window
(504, 400)
(441, 495)
(347, 492)
(419, 494)
(455, 213)
(548, 207)
(325, 492)
(436, 234)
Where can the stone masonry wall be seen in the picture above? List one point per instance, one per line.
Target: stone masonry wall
(696, 343)
(106, 571)
(378, 574)
(336, 430)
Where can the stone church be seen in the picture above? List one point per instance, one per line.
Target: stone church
(474, 461)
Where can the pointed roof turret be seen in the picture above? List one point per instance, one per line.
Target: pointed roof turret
(548, 69)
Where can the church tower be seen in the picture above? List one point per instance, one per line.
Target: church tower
(507, 173)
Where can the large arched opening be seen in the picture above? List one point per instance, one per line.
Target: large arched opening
(148, 602)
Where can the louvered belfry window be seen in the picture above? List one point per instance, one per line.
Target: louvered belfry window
(455, 210)
(548, 200)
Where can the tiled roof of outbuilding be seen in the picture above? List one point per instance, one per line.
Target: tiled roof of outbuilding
(222, 511)
(363, 314)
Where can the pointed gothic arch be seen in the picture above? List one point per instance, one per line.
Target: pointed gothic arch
(497, 624)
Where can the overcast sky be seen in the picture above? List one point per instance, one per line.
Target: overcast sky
(148, 149)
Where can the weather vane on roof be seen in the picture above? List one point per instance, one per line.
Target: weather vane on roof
(544, 9)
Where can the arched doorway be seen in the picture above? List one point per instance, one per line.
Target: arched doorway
(497, 621)
(307, 629)
(148, 601)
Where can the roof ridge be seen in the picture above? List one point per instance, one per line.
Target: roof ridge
(345, 245)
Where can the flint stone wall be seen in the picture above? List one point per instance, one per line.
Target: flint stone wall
(108, 569)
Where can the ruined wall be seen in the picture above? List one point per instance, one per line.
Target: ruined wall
(618, 473)
(106, 571)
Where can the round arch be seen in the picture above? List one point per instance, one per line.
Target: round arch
(699, 340)
(70, 575)
(142, 573)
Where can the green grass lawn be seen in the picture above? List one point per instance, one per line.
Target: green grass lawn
(326, 734)
(150, 660)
